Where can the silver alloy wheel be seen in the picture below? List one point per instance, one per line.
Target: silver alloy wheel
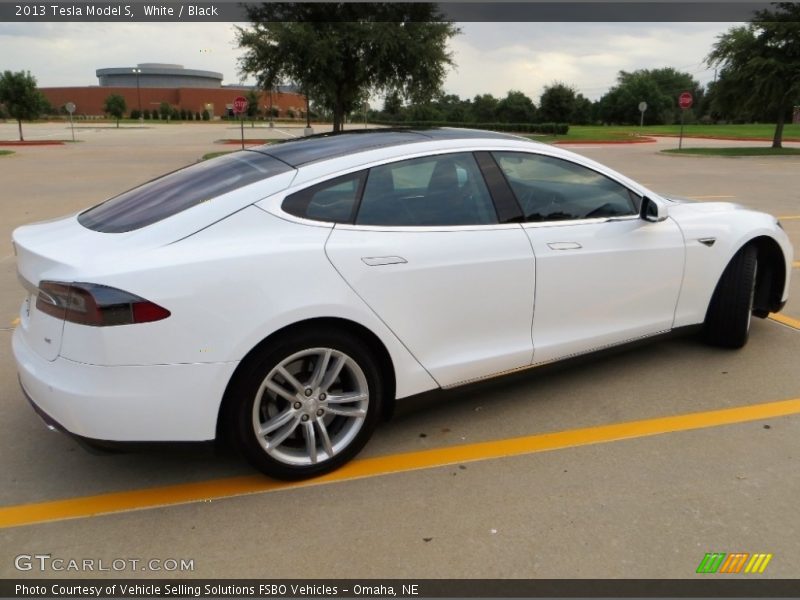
(310, 406)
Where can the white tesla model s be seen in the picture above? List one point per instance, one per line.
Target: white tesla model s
(286, 295)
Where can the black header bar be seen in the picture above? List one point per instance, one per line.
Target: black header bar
(482, 11)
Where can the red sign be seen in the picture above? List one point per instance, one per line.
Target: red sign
(685, 100)
(239, 105)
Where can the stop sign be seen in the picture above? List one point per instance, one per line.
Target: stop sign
(685, 100)
(239, 104)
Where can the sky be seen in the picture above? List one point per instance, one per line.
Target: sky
(489, 57)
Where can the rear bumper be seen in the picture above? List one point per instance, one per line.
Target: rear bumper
(128, 404)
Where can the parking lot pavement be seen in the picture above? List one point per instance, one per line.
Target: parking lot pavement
(647, 506)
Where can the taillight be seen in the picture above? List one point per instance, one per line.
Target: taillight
(96, 305)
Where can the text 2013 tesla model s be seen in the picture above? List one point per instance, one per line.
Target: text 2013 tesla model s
(284, 295)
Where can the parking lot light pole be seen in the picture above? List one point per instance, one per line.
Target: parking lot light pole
(139, 94)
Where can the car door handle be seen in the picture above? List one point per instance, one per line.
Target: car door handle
(378, 261)
(564, 246)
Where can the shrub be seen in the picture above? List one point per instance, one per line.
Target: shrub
(206, 115)
(135, 114)
(146, 114)
(544, 128)
(197, 116)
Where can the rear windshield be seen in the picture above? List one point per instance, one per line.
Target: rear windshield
(179, 190)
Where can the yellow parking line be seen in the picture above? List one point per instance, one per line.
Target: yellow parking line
(15, 322)
(784, 320)
(796, 264)
(88, 506)
(789, 218)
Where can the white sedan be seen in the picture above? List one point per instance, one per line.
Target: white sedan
(286, 296)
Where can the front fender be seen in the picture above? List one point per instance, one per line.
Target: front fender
(731, 228)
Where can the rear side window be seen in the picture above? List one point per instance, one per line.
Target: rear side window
(442, 190)
(332, 201)
(175, 192)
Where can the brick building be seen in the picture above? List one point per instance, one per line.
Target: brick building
(149, 84)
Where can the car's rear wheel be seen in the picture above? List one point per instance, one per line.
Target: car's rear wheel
(306, 405)
(730, 312)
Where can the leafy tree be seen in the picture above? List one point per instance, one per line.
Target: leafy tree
(582, 111)
(452, 108)
(516, 107)
(115, 106)
(206, 115)
(484, 108)
(253, 98)
(165, 110)
(557, 103)
(342, 52)
(660, 88)
(760, 65)
(392, 105)
(21, 97)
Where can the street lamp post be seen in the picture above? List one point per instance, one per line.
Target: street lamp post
(139, 94)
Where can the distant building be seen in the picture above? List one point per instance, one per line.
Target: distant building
(147, 85)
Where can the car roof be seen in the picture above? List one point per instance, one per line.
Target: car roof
(302, 151)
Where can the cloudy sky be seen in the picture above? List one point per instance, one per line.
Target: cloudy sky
(489, 57)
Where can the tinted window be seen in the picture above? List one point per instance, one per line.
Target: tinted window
(177, 191)
(551, 189)
(332, 201)
(435, 190)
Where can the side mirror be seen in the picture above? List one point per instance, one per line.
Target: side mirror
(652, 211)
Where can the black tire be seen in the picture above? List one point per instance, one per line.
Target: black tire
(244, 393)
(729, 314)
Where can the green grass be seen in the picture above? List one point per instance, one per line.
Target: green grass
(582, 133)
(592, 133)
(757, 151)
(216, 154)
(6, 152)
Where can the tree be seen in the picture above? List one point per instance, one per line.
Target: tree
(115, 106)
(557, 103)
(760, 65)
(660, 88)
(516, 107)
(341, 53)
(484, 108)
(165, 110)
(21, 97)
(583, 111)
(392, 106)
(253, 98)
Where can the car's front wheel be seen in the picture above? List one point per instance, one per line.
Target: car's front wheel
(306, 405)
(730, 312)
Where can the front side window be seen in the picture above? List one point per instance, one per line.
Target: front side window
(552, 189)
(177, 191)
(443, 190)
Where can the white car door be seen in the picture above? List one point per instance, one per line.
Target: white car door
(428, 255)
(603, 275)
